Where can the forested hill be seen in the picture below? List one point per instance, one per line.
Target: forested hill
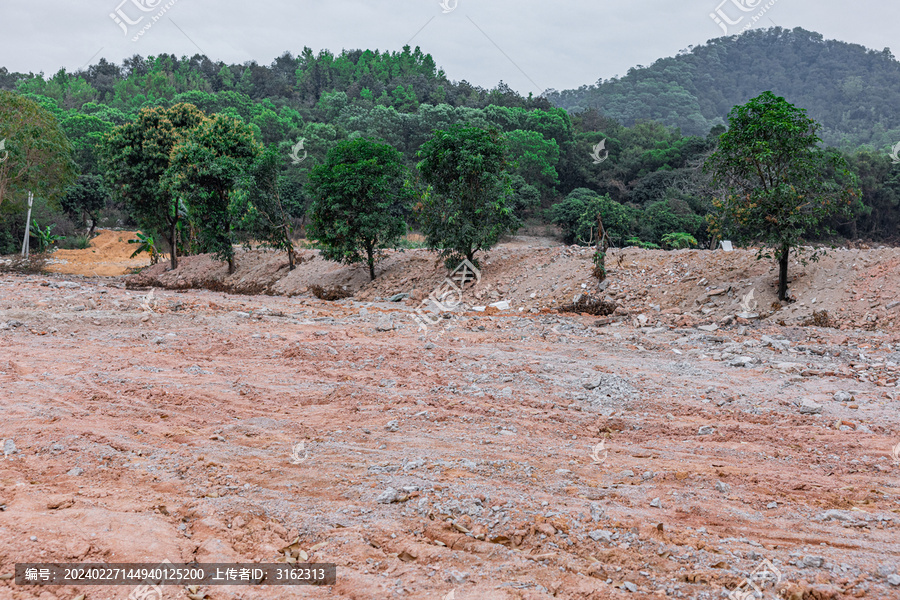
(401, 80)
(852, 91)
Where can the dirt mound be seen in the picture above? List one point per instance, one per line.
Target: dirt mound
(108, 256)
(678, 288)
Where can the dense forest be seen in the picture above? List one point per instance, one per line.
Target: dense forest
(850, 90)
(632, 147)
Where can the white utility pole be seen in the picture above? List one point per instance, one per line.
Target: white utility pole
(25, 242)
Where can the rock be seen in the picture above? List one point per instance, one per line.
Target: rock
(843, 397)
(716, 292)
(457, 577)
(709, 328)
(890, 306)
(808, 407)
(9, 447)
(630, 587)
(385, 324)
(627, 473)
(771, 505)
(600, 535)
(364, 312)
(836, 515)
(75, 472)
(598, 513)
(789, 367)
(894, 579)
(656, 503)
(216, 550)
(398, 297)
(414, 464)
(502, 305)
(393, 425)
(748, 315)
(813, 561)
(706, 430)
(388, 496)
(886, 570)
(743, 361)
(723, 487)
(429, 346)
(648, 475)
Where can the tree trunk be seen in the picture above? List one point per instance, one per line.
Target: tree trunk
(783, 272)
(371, 260)
(93, 225)
(173, 244)
(231, 266)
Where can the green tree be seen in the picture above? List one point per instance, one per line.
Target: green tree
(264, 216)
(577, 216)
(135, 158)
(361, 196)
(206, 166)
(85, 198)
(468, 205)
(36, 155)
(780, 185)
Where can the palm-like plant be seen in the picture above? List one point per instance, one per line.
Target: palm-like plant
(147, 244)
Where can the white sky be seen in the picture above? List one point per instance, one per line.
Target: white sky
(528, 44)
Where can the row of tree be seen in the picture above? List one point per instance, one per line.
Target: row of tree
(204, 182)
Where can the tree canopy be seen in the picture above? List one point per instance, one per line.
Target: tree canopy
(780, 186)
(362, 195)
(468, 206)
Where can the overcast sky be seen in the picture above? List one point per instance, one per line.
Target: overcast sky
(528, 44)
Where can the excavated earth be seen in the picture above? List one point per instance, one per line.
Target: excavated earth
(462, 461)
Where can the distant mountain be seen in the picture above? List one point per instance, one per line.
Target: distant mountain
(852, 91)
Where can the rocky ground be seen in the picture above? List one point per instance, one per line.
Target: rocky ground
(463, 461)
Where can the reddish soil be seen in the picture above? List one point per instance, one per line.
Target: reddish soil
(162, 427)
(109, 255)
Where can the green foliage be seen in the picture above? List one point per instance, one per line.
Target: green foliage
(45, 237)
(86, 197)
(468, 204)
(780, 186)
(634, 241)
(135, 158)
(206, 165)
(263, 215)
(78, 242)
(577, 216)
(849, 89)
(361, 197)
(679, 240)
(146, 244)
(37, 156)
(599, 260)
(402, 98)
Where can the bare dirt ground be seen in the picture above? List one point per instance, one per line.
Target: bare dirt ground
(108, 255)
(456, 462)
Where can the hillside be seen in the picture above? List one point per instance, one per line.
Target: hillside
(849, 89)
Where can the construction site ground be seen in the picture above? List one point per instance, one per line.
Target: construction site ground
(671, 449)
